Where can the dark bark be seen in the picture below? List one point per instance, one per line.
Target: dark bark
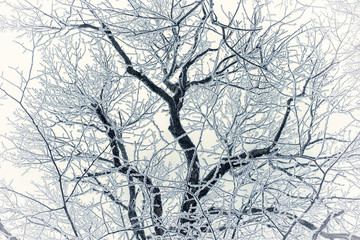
(189, 202)
(6, 233)
(217, 172)
(195, 187)
(134, 220)
(116, 148)
(175, 127)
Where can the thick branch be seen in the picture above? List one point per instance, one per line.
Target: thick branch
(134, 220)
(7, 234)
(130, 69)
(192, 159)
(110, 132)
(227, 163)
(118, 147)
(325, 223)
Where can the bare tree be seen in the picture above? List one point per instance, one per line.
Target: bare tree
(171, 119)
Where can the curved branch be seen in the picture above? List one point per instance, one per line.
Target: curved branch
(130, 69)
(219, 171)
(117, 147)
(325, 223)
(7, 234)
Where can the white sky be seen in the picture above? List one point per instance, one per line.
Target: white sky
(12, 54)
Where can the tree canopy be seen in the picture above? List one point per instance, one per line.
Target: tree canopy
(182, 119)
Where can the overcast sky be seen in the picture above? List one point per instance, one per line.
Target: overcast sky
(12, 54)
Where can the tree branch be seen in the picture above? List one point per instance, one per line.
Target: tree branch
(325, 223)
(7, 234)
(219, 171)
(130, 69)
(118, 147)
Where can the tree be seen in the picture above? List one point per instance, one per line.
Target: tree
(182, 119)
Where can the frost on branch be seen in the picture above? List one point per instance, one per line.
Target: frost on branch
(183, 120)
